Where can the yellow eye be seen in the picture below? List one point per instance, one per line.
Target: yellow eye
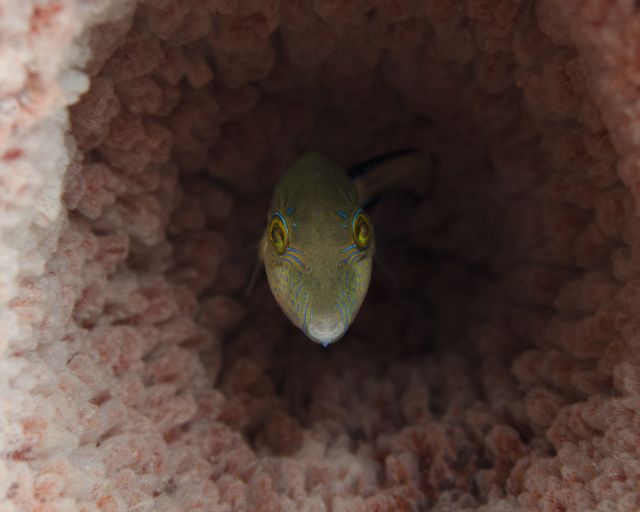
(278, 234)
(361, 230)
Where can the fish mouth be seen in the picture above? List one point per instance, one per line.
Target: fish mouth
(325, 330)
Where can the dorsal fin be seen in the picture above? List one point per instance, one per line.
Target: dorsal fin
(384, 172)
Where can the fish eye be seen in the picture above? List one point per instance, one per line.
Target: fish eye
(361, 230)
(278, 234)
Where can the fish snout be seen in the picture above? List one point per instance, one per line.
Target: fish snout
(326, 329)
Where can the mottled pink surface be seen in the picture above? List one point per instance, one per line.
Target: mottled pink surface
(502, 375)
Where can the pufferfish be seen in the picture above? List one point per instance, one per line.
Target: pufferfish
(319, 244)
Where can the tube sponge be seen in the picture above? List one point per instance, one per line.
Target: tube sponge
(139, 143)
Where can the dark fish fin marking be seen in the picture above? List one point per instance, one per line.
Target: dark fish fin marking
(365, 166)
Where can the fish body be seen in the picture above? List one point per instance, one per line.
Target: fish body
(318, 248)
(319, 244)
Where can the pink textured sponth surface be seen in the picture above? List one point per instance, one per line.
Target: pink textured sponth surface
(502, 375)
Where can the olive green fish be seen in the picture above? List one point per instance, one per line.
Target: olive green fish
(319, 244)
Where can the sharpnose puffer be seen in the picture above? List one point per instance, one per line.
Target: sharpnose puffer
(319, 243)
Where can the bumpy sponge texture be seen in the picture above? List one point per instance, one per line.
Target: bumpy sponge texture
(139, 142)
